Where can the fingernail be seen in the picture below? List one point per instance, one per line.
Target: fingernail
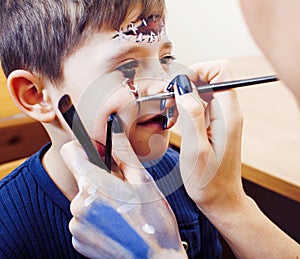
(162, 104)
(165, 122)
(108, 144)
(183, 85)
(168, 89)
(117, 126)
(171, 112)
(171, 84)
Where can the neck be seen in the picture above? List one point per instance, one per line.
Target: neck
(58, 170)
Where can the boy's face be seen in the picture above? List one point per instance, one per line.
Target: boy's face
(99, 76)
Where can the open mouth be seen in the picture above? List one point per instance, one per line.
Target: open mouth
(100, 148)
(156, 120)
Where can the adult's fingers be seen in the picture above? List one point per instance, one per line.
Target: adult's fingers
(191, 110)
(195, 141)
(76, 160)
(102, 220)
(226, 120)
(134, 172)
(210, 71)
(196, 152)
(125, 157)
(92, 180)
(92, 242)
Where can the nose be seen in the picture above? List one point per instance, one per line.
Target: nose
(153, 80)
(154, 85)
(151, 85)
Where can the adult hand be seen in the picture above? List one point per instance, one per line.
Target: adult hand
(210, 158)
(211, 170)
(119, 215)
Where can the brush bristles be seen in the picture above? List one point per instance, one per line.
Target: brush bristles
(65, 103)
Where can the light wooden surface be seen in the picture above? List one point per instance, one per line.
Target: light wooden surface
(271, 134)
(10, 166)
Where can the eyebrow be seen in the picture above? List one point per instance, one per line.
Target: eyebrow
(167, 45)
(122, 55)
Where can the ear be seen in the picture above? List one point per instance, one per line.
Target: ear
(29, 95)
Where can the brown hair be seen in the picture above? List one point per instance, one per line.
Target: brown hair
(37, 35)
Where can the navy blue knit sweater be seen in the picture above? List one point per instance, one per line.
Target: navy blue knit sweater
(35, 214)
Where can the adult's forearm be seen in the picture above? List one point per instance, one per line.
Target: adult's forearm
(250, 234)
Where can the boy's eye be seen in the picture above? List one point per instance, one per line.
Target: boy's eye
(128, 69)
(167, 60)
(128, 66)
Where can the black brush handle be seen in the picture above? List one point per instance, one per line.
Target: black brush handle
(206, 88)
(235, 84)
(72, 118)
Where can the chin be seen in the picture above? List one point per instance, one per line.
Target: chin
(154, 152)
(152, 156)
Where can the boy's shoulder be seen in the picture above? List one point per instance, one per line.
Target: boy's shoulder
(164, 164)
(172, 153)
(171, 156)
(30, 181)
(34, 214)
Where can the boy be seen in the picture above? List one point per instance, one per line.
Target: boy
(247, 230)
(95, 51)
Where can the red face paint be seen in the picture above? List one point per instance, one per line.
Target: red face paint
(144, 30)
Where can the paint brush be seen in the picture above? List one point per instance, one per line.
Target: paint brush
(71, 116)
(214, 87)
(108, 145)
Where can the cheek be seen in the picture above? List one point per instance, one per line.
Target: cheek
(96, 109)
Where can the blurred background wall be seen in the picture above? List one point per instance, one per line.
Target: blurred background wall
(208, 29)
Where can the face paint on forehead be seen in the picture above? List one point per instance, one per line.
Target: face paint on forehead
(145, 30)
